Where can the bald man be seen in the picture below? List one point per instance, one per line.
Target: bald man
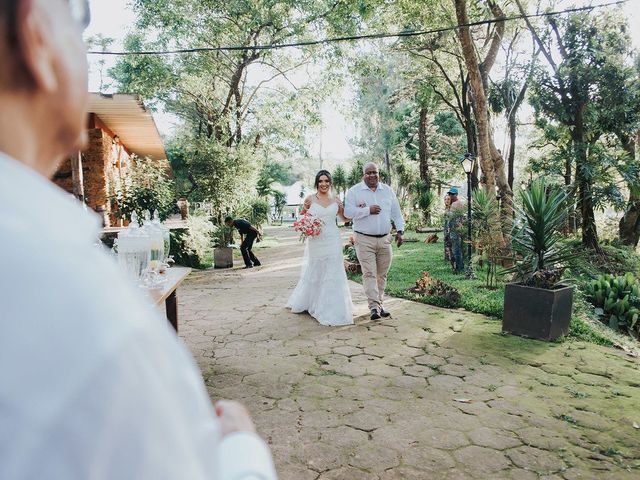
(373, 206)
(93, 382)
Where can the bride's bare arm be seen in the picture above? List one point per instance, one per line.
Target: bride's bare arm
(341, 211)
(306, 205)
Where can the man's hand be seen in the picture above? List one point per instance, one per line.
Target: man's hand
(374, 209)
(398, 239)
(233, 417)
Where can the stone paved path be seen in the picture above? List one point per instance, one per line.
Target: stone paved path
(426, 394)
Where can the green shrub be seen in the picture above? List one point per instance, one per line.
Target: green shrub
(193, 246)
(441, 293)
(350, 254)
(259, 212)
(222, 236)
(256, 212)
(619, 299)
(146, 187)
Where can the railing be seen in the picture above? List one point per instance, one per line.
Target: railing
(204, 206)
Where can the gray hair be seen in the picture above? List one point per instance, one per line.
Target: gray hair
(367, 165)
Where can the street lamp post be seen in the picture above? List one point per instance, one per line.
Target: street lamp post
(468, 162)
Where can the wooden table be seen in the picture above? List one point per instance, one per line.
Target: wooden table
(167, 292)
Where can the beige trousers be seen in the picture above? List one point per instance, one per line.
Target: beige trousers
(374, 255)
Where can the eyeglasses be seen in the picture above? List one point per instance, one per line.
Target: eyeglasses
(80, 12)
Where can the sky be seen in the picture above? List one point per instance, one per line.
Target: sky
(113, 18)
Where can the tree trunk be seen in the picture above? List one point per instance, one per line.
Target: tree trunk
(479, 99)
(629, 226)
(387, 164)
(506, 194)
(472, 138)
(585, 196)
(572, 218)
(423, 148)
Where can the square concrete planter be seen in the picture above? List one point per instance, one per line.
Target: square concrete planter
(223, 257)
(537, 312)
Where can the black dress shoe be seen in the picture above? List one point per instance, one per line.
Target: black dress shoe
(248, 266)
(374, 314)
(384, 313)
(256, 264)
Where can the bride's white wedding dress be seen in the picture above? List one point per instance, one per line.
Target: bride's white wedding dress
(322, 289)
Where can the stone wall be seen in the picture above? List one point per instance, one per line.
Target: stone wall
(63, 177)
(95, 170)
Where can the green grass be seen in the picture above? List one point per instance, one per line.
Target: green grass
(412, 259)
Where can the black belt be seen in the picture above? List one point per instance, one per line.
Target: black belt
(369, 235)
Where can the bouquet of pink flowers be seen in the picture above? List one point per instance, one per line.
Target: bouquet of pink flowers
(308, 226)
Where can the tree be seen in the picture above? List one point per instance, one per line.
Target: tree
(264, 183)
(490, 158)
(103, 43)
(279, 202)
(508, 94)
(585, 78)
(228, 117)
(339, 179)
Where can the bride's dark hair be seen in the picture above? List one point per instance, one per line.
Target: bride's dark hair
(320, 174)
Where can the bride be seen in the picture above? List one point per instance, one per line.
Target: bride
(322, 289)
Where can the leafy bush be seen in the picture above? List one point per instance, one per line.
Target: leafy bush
(423, 198)
(192, 246)
(259, 212)
(414, 220)
(256, 212)
(432, 287)
(619, 301)
(222, 235)
(487, 236)
(146, 187)
(350, 254)
(616, 260)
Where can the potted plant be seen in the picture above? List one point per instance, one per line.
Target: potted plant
(537, 304)
(222, 252)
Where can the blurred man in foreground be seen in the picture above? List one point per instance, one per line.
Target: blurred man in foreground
(93, 383)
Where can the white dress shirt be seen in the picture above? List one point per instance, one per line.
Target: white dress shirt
(94, 384)
(356, 206)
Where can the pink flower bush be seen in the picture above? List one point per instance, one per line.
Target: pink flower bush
(308, 226)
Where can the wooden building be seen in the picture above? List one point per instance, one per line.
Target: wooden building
(119, 127)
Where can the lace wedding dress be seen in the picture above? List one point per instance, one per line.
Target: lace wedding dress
(322, 289)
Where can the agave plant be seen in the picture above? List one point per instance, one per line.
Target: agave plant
(541, 257)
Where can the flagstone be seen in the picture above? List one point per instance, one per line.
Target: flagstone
(406, 397)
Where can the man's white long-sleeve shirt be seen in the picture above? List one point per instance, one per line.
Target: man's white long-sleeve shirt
(356, 206)
(94, 384)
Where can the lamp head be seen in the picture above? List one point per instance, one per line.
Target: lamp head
(468, 162)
